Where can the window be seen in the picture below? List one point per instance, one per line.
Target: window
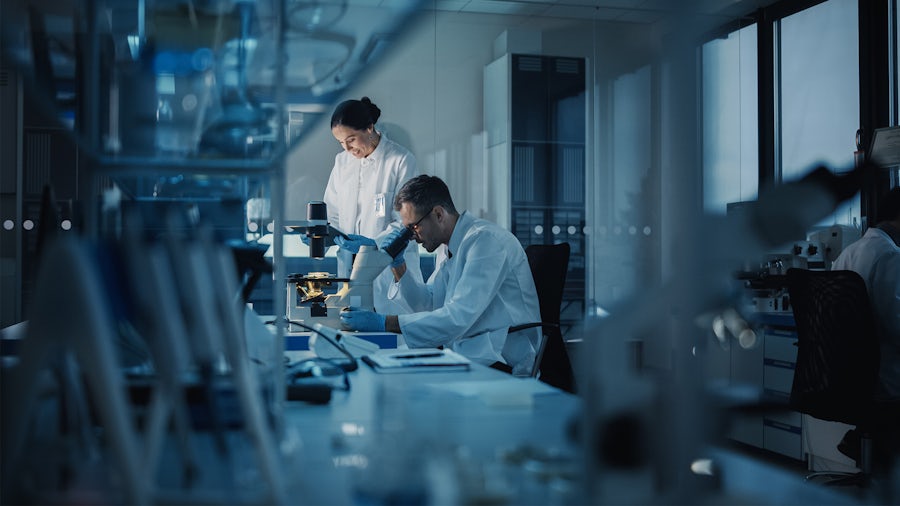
(730, 138)
(818, 106)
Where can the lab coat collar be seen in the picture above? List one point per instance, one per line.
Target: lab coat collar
(462, 226)
(378, 152)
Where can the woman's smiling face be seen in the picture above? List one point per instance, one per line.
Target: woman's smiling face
(359, 143)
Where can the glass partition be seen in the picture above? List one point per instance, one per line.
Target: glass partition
(198, 81)
(146, 107)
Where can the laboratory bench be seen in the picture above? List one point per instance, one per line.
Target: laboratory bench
(463, 437)
(444, 438)
(473, 437)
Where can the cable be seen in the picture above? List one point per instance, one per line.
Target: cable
(349, 366)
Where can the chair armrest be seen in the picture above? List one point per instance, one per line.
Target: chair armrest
(542, 345)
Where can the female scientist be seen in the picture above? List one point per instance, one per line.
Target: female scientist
(360, 192)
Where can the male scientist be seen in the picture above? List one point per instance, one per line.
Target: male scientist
(481, 288)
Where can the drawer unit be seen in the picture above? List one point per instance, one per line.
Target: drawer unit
(782, 434)
(780, 344)
(780, 355)
(770, 368)
(747, 429)
(777, 378)
(782, 431)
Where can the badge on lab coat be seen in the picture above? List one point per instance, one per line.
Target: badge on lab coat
(379, 205)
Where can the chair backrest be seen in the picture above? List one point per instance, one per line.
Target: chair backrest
(549, 265)
(836, 372)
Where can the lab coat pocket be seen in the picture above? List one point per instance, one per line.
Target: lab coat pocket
(382, 203)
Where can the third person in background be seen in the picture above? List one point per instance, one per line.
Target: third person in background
(876, 257)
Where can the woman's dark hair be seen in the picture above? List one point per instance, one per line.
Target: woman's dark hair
(356, 114)
(424, 192)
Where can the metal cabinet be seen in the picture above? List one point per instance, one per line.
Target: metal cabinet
(535, 124)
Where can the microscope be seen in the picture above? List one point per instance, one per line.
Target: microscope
(318, 297)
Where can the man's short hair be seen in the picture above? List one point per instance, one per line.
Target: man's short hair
(425, 192)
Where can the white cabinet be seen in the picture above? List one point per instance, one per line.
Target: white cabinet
(782, 431)
(770, 369)
(746, 369)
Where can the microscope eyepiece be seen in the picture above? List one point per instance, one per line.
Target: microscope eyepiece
(399, 244)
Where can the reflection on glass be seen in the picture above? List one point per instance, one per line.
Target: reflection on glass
(631, 158)
(175, 105)
(207, 81)
(624, 261)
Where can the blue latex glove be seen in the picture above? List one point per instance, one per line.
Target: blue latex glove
(304, 239)
(354, 318)
(393, 236)
(397, 262)
(353, 243)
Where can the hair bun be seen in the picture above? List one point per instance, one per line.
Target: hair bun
(374, 111)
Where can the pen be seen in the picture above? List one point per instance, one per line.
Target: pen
(420, 355)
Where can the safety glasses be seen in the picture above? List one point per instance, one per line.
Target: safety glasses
(414, 228)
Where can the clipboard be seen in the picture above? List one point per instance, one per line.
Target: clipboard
(417, 360)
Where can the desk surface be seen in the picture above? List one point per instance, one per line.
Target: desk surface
(473, 437)
(445, 437)
(425, 432)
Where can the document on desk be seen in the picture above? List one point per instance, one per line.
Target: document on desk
(417, 360)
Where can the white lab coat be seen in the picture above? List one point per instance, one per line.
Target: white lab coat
(474, 296)
(876, 258)
(360, 200)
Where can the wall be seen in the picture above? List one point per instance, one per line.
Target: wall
(429, 89)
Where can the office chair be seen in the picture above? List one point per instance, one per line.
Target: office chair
(836, 372)
(549, 264)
